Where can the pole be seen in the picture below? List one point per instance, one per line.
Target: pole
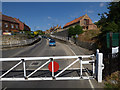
(110, 53)
(119, 54)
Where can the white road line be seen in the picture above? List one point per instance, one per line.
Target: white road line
(83, 68)
(71, 50)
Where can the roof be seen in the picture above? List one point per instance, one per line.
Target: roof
(72, 22)
(8, 18)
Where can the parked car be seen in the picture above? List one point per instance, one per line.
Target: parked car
(49, 38)
(52, 42)
(44, 37)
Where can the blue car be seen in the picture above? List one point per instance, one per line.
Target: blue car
(52, 42)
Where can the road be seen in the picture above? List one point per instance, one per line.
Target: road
(42, 49)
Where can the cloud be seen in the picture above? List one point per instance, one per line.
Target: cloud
(90, 11)
(102, 4)
(95, 21)
(49, 17)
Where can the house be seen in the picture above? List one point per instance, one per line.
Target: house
(9, 24)
(54, 29)
(23, 26)
(83, 21)
(47, 32)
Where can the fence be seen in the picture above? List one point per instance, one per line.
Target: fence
(96, 69)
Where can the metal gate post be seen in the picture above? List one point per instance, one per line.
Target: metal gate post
(99, 66)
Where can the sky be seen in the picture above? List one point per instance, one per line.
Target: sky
(43, 15)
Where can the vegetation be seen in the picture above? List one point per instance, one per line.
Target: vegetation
(39, 32)
(109, 22)
(113, 81)
(76, 30)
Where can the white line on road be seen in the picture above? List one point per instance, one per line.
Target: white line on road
(83, 68)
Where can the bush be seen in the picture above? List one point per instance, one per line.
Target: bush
(73, 31)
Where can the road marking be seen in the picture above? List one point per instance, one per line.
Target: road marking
(71, 50)
(83, 68)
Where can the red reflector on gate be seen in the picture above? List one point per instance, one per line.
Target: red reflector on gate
(56, 66)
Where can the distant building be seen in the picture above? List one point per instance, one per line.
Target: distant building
(83, 21)
(53, 29)
(47, 32)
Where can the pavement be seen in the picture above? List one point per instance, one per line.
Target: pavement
(40, 49)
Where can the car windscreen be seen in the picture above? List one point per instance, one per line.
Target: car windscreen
(52, 41)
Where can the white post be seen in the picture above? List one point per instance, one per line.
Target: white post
(99, 66)
(93, 67)
(81, 67)
(24, 67)
(52, 67)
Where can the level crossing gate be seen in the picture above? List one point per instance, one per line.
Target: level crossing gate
(96, 62)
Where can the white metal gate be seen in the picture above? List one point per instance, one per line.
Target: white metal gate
(96, 69)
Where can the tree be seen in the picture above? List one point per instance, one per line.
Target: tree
(40, 32)
(73, 31)
(78, 29)
(110, 27)
(110, 21)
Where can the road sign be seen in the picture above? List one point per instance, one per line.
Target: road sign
(115, 40)
(76, 36)
(56, 66)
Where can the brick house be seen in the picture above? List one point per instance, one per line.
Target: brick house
(23, 26)
(9, 24)
(83, 21)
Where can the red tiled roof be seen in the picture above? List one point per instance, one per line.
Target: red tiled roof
(8, 18)
(74, 21)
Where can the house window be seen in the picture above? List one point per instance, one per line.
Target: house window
(6, 25)
(16, 26)
(12, 26)
(85, 22)
(6, 30)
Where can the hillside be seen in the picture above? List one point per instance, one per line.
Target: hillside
(89, 35)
